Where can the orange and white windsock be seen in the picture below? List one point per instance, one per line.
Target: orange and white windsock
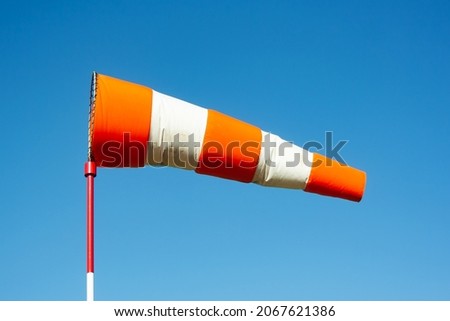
(133, 126)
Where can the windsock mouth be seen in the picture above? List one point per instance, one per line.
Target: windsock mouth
(119, 122)
(92, 98)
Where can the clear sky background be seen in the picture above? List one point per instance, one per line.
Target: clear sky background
(376, 73)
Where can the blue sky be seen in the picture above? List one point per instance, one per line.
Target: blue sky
(376, 73)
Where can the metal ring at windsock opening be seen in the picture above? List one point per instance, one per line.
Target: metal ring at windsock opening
(121, 122)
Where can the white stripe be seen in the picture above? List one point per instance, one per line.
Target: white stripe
(90, 286)
(282, 164)
(175, 120)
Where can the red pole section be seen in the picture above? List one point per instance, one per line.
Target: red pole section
(90, 171)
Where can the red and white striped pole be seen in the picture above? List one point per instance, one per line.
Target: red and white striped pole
(90, 171)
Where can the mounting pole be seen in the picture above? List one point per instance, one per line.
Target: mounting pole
(90, 171)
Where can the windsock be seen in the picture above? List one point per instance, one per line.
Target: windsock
(131, 125)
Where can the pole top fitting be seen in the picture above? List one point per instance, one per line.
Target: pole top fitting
(90, 168)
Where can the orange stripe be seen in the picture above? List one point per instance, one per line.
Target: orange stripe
(230, 148)
(121, 123)
(331, 178)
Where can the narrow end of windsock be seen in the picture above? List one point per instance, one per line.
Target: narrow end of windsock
(331, 178)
